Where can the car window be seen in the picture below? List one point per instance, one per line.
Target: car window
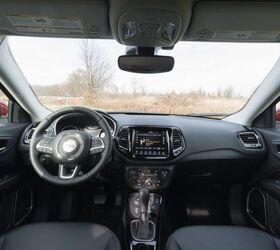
(277, 115)
(3, 107)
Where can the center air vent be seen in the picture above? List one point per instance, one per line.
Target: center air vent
(249, 140)
(123, 139)
(28, 136)
(177, 142)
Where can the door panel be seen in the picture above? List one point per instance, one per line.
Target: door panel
(267, 182)
(10, 162)
(9, 138)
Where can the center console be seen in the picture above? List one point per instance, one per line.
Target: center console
(149, 151)
(143, 220)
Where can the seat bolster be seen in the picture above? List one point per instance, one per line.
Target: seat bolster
(2, 240)
(221, 238)
(172, 244)
(113, 244)
(60, 236)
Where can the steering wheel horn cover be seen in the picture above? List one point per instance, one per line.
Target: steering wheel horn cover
(70, 148)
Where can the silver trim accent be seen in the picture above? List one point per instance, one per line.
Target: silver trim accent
(2, 149)
(141, 240)
(248, 211)
(179, 150)
(99, 147)
(250, 145)
(45, 147)
(135, 243)
(112, 120)
(67, 177)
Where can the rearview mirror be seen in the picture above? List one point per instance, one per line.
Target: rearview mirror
(146, 64)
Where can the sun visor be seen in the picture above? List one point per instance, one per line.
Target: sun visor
(55, 18)
(235, 22)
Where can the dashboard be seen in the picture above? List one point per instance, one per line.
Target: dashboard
(151, 149)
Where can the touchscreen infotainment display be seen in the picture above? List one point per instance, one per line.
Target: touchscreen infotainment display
(150, 142)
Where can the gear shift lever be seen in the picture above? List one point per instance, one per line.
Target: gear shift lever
(143, 229)
(144, 196)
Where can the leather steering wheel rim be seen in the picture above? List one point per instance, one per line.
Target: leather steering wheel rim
(44, 124)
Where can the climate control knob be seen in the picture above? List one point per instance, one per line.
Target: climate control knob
(152, 182)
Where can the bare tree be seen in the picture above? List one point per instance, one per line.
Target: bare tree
(75, 82)
(138, 88)
(97, 71)
(228, 92)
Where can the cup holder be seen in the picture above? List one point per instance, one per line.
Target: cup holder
(143, 246)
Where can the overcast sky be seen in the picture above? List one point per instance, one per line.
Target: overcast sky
(198, 65)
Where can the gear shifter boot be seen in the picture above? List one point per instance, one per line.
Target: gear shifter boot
(142, 231)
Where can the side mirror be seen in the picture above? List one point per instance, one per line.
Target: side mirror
(3, 109)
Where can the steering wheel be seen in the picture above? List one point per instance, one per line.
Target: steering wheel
(70, 149)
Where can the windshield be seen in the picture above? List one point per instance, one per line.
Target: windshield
(208, 78)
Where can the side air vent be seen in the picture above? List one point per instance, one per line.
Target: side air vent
(249, 140)
(28, 136)
(123, 139)
(177, 142)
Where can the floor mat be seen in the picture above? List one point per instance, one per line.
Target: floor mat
(208, 206)
(198, 205)
(108, 214)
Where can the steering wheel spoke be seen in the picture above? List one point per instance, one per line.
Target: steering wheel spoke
(97, 145)
(45, 145)
(67, 173)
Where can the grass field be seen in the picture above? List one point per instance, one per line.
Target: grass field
(169, 103)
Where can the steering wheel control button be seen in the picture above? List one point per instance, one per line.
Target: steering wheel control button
(45, 145)
(97, 146)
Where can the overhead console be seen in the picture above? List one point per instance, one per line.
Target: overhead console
(150, 23)
(150, 143)
(235, 21)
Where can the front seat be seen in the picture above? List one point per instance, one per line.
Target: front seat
(221, 238)
(60, 236)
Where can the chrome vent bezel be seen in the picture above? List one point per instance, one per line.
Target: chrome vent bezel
(128, 139)
(27, 137)
(256, 145)
(180, 149)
